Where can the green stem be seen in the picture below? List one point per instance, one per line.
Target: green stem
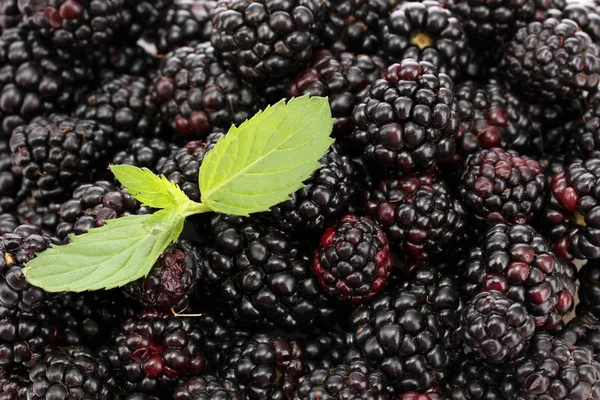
(195, 208)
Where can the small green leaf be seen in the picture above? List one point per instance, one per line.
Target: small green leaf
(264, 160)
(113, 255)
(150, 189)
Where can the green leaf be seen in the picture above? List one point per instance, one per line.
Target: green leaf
(264, 160)
(113, 255)
(150, 189)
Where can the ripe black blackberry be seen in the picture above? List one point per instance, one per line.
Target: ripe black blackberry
(8, 223)
(355, 380)
(14, 386)
(325, 195)
(34, 79)
(589, 288)
(406, 120)
(9, 181)
(326, 350)
(583, 330)
(569, 218)
(207, 387)
(10, 16)
(342, 77)
(584, 140)
(55, 154)
(497, 328)
(75, 26)
(45, 215)
(585, 13)
(418, 214)
(553, 127)
(536, 61)
(502, 186)
(554, 369)
(172, 280)
(197, 95)
(182, 167)
(517, 261)
(125, 59)
(263, 276)
(399, 335)
(186, 23)
(491, 116)
(144, 152)
(265, 367)
(351, 25)
(92, 204)
(353, 261)
(122, 109)
(267, 40)
(495, 21)
(474, 380)
(148, 353)
(426, 31)
(145, 16)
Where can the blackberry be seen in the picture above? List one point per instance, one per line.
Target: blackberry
(325, 195)
(152, 353)
(554, 369)
(263, 276)
(589, 287)
(122, 108)
(267, 40)
(536, 61)
(69, 373)
(474, 380)
(14, 386)
(54, 154)
(406, 120)
(197, 95)
(9, 182)
(517, 261)
(186, 23)
(497, 328)
(34, 79)
(583, 330)
(8, 223)
(355, 380)
(144, 153)
(145, 16)
(16, 249)
(569, 218)
(342, 77)
(75, 25)
(553, 128)
(502, 186)
(326, 350)
(39, 213)
(172, 279)
(125, 59)
(418, 214)
(399, 334)
(351, 25)
(183, 165)
(265, 367)
(92, 204)
(586, 14)
(10, 16)
(353, 261)
(491, 116)
(207, 387)
(495, 21)
(426, 31)
(585, 134)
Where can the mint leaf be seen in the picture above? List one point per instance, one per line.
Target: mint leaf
(150, 189)
(119, 252)
(264, 160)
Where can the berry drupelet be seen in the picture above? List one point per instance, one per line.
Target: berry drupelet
(144, 153)
(10, 16)
(502, 186)
(342, 77)
(426, 31)
(497, 328)
(517, 261)
(570, 218)
(554, 369)
(355, 380)
(418, 214)
(172, 279)
(265, 367)
(583, 330)
(353, 261)
(56, 153)
(14, 386)
(45, 215)
(197, 95)
(552, 60)
(267, 40)
(73, 372)
(326, 195)
(207, 387)
(406, 121)
(589, 288)
(326, 350)
(585, 13)
(585, 135)
(121, 107)
(9, 182)
(263, 276)
(474, 380)
(152, 352)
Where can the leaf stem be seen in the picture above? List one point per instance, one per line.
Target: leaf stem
(195, 208)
